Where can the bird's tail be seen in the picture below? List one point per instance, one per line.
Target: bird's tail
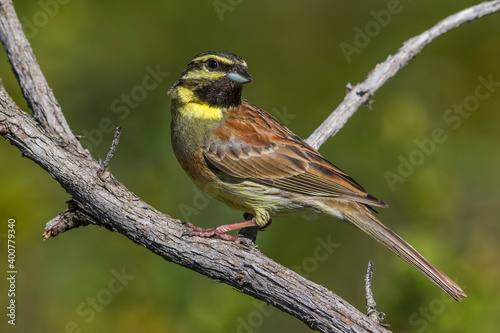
(362, 218)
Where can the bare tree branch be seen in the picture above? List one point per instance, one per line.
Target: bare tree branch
(107, 202)
(98, 198)
(382, 72)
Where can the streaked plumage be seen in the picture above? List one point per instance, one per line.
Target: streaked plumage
(244, 157)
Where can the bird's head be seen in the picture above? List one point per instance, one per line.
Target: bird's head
(213, 78)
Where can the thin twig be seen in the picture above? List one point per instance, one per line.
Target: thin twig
(112, 149)
(371, 305)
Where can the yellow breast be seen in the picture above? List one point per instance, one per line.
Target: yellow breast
(192, 107)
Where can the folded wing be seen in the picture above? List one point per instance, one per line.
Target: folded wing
(260, 148)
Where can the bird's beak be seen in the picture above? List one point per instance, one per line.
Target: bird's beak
(240, 75)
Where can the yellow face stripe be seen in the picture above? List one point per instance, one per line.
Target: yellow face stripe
(203, 73)
(185, 96)
(218, 58)
(211, 56)
(193, 107)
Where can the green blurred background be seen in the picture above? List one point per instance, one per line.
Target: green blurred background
(95, 53)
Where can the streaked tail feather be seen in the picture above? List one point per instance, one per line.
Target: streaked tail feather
(362, 218)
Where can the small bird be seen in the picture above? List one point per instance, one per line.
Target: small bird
(241, 155)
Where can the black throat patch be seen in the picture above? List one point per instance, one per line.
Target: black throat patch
(221, 93)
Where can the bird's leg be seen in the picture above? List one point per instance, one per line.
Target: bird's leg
(249, 232)
(220, 231)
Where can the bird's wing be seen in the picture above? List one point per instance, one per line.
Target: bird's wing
(254, 145)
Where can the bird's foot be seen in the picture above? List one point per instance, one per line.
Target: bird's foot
(209, 232)
(221, 231)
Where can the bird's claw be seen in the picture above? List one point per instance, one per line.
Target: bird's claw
(215, 232)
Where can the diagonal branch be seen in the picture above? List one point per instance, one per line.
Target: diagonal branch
(382, 72)
(107, 202)
(36, 90)
(98, 198)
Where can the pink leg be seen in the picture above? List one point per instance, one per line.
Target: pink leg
(220, 230)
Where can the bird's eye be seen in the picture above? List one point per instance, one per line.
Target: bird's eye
(212, 64)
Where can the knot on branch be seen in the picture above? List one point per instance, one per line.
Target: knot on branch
(71, 218)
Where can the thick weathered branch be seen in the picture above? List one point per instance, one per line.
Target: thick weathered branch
(107, 202)
(382, 72)
(100, 199)
(36, 90)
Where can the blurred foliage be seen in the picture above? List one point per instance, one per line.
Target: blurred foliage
(94, 53)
